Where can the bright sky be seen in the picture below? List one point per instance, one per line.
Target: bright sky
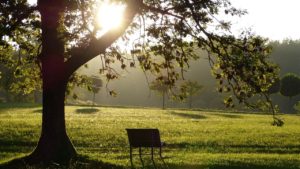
(275, 19)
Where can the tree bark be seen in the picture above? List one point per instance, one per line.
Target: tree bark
(54, 144)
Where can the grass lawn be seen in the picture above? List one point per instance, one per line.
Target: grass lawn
(195, 139)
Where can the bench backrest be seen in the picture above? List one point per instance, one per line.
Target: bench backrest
(144, 137)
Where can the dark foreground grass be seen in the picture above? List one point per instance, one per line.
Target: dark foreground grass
(195, 139)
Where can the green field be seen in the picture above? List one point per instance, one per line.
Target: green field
(195, 139)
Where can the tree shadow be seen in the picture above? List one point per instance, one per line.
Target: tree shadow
(235, 165)
(9, 106)
(232, 116)
(240, 148)
(81, 162)
(8, 143)
(187, 115)
(87, 110)
(4, 106)
(145, 162)
(38, 111)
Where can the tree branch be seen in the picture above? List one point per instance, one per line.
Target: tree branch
(98, 46)
(161, 11)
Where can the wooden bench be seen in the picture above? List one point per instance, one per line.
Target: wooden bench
(139, 138)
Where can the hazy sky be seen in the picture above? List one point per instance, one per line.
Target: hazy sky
(275, 19)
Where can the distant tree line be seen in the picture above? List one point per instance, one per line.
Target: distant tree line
(286, 54)
(288, 86)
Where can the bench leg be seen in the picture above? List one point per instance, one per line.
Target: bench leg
(152, 153)
(152, 157)
(140, 153)
(131, 157)
(160, 152)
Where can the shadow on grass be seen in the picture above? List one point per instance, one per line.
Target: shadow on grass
(235, 166)
(18, 105)
(232, 116)
(188, 115)
(38, 111)
(16, 142)
(87, 110)
(81, 162)
(242, 148)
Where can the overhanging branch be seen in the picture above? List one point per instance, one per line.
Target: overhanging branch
(98, 46)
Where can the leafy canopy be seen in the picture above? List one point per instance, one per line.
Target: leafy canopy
(167, 34)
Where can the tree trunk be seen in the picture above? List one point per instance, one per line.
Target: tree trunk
(54, 145)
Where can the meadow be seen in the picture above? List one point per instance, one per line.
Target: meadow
(194, 139)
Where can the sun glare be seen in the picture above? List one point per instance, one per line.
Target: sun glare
(110, 15)
(32, 2)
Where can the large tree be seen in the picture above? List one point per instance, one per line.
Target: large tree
(61, 35)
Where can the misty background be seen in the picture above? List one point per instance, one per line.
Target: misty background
(133, 89)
